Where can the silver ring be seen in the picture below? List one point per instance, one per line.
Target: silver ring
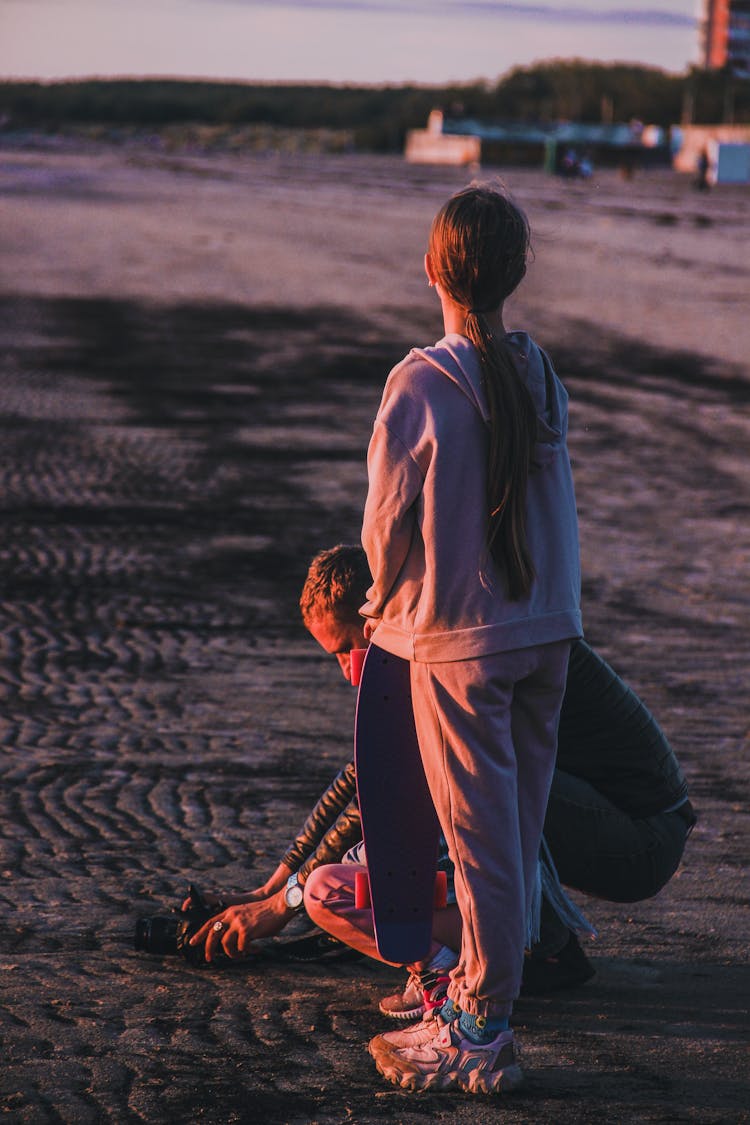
(217, 927)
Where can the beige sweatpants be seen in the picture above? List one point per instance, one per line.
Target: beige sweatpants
(487, 732)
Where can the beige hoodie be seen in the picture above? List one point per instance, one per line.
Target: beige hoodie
(437, 594)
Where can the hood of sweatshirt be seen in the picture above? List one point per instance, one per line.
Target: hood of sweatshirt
(457, 358)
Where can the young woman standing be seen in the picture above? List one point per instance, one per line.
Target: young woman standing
(471, 535)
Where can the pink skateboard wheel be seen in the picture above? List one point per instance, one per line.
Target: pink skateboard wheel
(356, 660)
(361, 890)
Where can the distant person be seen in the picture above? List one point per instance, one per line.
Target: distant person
(570, 167)
(703, 167)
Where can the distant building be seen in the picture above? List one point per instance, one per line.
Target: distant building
(726, 35)
(434, 146)
(552, 145)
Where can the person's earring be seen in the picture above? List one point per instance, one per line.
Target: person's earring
(430, 283)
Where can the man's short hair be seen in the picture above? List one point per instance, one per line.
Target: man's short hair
(337, 582)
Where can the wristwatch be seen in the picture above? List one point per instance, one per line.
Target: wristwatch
(294, 895)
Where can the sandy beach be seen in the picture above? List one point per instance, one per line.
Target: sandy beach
(193, 350)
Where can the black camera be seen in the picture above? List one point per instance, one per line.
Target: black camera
(170, 934)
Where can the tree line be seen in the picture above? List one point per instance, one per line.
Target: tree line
(379, 116)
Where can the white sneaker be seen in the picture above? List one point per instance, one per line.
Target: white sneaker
(415, 1035)
(445, 1060)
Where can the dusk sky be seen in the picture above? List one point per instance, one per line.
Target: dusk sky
(360, 41)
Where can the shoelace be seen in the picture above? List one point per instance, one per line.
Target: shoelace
(414, 981)
(428, 978)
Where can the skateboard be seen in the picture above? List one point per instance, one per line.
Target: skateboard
(399, 824)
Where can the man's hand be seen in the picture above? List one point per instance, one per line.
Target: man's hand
(274, 883)
(224, 899)
(209, 899)
(232, 932)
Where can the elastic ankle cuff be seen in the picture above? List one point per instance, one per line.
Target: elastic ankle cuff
(481, 1029)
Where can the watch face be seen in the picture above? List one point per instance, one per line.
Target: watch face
(294, 896)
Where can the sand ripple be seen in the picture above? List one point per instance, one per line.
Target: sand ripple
(166, 472)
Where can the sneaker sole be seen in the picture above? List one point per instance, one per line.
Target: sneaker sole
(475, 1082)
(404, 1017)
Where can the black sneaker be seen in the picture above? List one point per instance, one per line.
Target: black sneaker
(569, 968)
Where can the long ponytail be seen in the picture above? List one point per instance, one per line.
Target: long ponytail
(512, 436)
(478, 245)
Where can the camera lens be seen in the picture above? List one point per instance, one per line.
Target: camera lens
(156, 935)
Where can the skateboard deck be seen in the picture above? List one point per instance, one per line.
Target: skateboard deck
(399, 824)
